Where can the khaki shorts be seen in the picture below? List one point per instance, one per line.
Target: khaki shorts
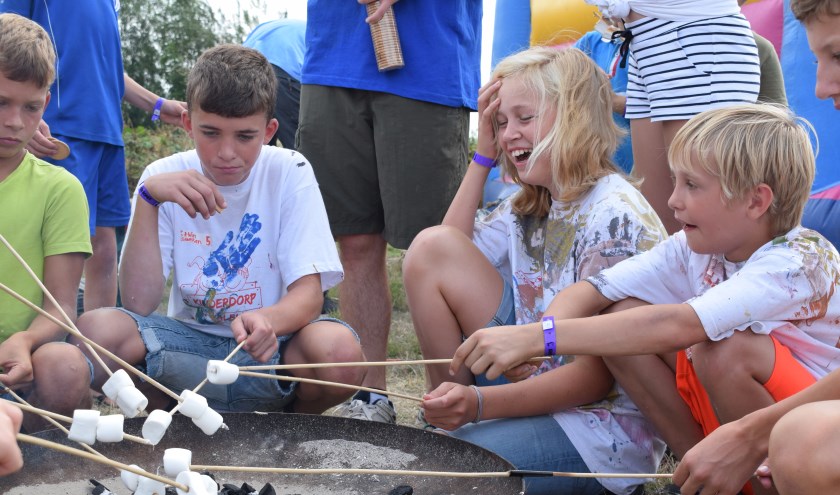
(385, 164)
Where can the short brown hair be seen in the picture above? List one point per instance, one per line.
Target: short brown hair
(808, 10)
(232, 81)
(26, 51)
(747, 145)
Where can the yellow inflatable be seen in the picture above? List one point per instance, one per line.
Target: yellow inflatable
(557, 22)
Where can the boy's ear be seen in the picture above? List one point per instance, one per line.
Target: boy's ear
(270, 129)
(760, 200)
(186, 121)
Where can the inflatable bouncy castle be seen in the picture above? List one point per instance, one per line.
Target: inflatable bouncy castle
(523, 23)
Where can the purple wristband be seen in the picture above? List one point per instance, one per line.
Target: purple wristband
(144, 193)
(484, 161)
(549, 336)
(156, 111)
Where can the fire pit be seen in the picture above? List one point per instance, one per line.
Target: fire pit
(278, 440)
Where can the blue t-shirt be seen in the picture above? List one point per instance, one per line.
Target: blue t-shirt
(605, 53)
(441, 45)
(89, 85)
(283, 43)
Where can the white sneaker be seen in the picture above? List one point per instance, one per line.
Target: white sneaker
(382, 411)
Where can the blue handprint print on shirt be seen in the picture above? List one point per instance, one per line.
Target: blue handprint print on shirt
(223, 265)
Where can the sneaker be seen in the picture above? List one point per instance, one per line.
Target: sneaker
(421, 422)
(381, 411)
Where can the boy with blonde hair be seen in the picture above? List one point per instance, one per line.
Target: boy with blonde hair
(729, 315)
(43, 215)
(255, 272)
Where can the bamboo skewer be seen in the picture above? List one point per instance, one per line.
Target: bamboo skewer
(67, 419)
(441, 474)
(7, 390)
(396, 362)
(75, 332)
(204, 382)
(101, 460)
(331, 384)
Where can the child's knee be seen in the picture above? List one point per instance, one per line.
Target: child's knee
(744, 354)
(426, 247)
(62, 365)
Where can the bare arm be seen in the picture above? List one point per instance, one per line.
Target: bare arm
(652, 329)
(62, 273)
(142, 98)
(296, 309)
(461, 213)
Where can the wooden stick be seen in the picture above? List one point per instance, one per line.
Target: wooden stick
(67, 419)
(75, 332)
(440, 474)
(101, 460)
(52, 299)
(395, 362)
(7, 390)
(330, 384)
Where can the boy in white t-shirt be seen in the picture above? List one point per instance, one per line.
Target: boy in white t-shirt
(243, 230)
(729, 315)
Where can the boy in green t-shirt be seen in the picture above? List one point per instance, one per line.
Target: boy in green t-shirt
(43, 215)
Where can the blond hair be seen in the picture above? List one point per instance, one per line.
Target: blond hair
(747, 145)
(26, 52)
(808, 10)
(232, 81)
(583, 137)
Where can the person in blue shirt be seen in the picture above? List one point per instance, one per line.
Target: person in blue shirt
(283, 43)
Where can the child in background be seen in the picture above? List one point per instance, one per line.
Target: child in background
(740, 308)
(43, 215)
(255, 272)
(684, 57)
(546, 116)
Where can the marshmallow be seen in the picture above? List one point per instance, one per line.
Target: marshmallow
(198, 484)
(209, 422)
(130, 479)
(148, 486)
(176, 460)
(83, 427)
(131, 401)
(110, 428)
(192, 404)
(222, 372)
(115, 383)
(155, 425)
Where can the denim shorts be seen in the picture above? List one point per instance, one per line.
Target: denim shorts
(177, 355)
(505, 315)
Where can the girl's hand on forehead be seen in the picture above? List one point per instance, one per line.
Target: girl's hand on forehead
(487, 108)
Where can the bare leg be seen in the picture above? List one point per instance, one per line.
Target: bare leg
(101, 270)
(804, 450)
(365, 298)
(452, 291)
(61, 383)
(324, 342)
(650, 162)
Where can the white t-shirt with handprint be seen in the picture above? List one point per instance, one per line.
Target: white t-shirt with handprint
(273, 231)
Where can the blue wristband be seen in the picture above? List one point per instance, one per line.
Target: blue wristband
(156, 111)
(484, 161)
(144, 193)
(549, 336)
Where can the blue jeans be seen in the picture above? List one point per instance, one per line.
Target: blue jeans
(177, 355)
(534, 443)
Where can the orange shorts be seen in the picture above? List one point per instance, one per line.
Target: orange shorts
(788, 378)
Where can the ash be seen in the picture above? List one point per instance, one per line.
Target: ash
(344, 454)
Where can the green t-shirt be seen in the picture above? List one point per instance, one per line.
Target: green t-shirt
(43, 212)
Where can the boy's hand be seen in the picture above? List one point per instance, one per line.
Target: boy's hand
(380, 12)
(193, 192)
(16, 362)
(721, 463)
(498, 349)
(10, 420)
(262, 342)
(450, 406)
(40, 144)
